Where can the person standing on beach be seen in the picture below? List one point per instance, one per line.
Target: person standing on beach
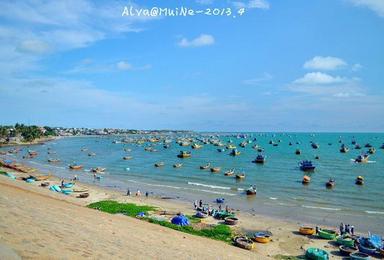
(347, 229)
(342, 228)
(200, 203)
(62, 182)
(146, 194)
(138, 193)
(352, 230)
(195, 204)
(128, 192)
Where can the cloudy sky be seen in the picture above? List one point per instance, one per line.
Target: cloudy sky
(280, 66)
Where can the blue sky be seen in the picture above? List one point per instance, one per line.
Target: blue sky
(281, 66)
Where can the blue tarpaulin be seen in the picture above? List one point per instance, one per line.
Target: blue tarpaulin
(180, 220)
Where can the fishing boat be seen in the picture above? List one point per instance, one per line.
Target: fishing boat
(231, 146)
(220, 200)
(243, 144)
(204, 167)
(357, 147)
(262, 237)
(184, 154)
(367, 245)
(98, 170)
(229, 172)
(231, 221)
(32, 153)
(220, 150)
(53, 160)
(315, 145)
(260, 159)
(201, 214)
(67, 185)
(83, 195)
(382, 146)
(327, 234)
(127, 157)
(177, 165)
(234, 152)
(159, 164)
(347, 250)
(359, 180)
(41, 177)
(240, 176)
(306, 166)
(316, 254)
(215, 169)
(359, 256)
(251, 190)
(244, 242)
(368, 145)
(75, 167)
(196, 146)
(306, 179)
(304, 230)
(298, 151)
(260, 150)
(344, 149)
(372, 150)
(345, 240)
(91, 154)
(362, 158)
(330, 183)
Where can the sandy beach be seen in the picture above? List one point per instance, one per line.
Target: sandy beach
(39, 223)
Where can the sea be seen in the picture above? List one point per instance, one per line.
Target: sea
(280, 192)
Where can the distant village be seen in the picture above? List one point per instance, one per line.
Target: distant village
(20, 133)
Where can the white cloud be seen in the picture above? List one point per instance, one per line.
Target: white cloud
(205, 2)
(356, 67)
(252, 4)
(202, 40)
(324, 63)
(123, 65)
(258, 80)
(375, 5)
(319, 78)
(33, 46)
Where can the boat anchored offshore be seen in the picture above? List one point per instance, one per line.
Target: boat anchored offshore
(359, 180)
(251, 190)
(306, 166)
(362, 158)
(235, 152)
(184, 154)
(260, 159)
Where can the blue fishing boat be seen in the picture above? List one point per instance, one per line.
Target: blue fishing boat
(306, 166)
(260, 159)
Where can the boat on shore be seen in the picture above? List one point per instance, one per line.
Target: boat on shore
(244, 242)
(345, 240)
(359, 256)
(347, 250)
(316, 254)
(327, 234)
(308, 231)
(261, 237)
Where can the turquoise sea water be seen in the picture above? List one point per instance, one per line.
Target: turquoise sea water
(280, 192)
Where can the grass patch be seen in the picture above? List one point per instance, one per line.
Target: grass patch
(114, 207)
(218, 232)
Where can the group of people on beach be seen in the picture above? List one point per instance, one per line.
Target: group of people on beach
(199, 205)
(346, 229)
(137, 194)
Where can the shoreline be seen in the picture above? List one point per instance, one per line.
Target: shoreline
(285, 239)
(38, 141)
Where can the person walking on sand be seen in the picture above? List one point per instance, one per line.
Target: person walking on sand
(128, 192)
(317, 230)
(220, 207)
(62, 182)
(200, 203)
(146, 194)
